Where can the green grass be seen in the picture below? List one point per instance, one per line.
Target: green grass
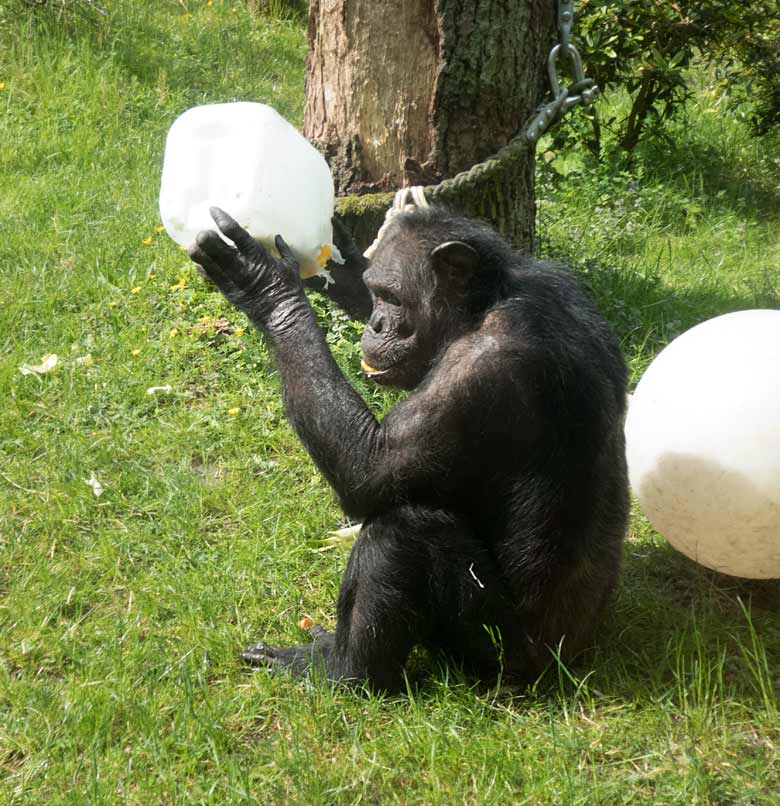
(121, 615)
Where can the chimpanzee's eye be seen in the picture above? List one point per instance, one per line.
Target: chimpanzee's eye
(388, 297)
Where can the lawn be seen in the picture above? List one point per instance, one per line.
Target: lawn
(121, 614)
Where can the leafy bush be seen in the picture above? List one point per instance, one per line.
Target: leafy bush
(646, 48)
(753, 72)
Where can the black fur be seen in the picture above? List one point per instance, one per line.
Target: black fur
(494, 498)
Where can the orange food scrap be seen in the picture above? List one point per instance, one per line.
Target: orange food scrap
(306, 623)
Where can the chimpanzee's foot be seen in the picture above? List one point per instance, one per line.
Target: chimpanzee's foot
(295, 660)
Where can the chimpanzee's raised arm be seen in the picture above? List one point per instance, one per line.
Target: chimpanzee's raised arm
(347, 290)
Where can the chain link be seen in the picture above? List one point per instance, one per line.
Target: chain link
(565, 22)
(582, 91)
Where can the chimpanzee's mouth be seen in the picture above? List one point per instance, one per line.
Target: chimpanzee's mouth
(372, 371)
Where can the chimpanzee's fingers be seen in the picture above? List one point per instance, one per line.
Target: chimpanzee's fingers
(244, 242)
(219, 252)
(342, 237)
(215, 257)
(206, 266)
(202, 260)
(284, 250)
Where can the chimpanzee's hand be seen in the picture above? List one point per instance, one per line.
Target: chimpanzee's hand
(349, 250)
(264, 288)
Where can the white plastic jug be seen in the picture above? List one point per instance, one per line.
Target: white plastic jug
(248, 160)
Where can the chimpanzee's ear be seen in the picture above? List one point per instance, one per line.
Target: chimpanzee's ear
(455, 263)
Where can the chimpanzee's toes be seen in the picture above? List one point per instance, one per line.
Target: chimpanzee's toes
(259, 655)
(296, 660)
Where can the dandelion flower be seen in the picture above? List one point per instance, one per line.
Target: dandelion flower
(152, 276)
(234, 410)
(148, 241)
(135, 352)
(239, 331)
(180, 285)
(174, 332)
(135, 290)
(159, 229)
(2, 85)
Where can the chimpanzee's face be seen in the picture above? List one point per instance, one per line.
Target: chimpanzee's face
(417, 306)
(393, 341)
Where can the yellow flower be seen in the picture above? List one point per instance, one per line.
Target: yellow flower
(148, 241)
(135, 290)
(183, 248)
(180, 285)
(135, 352)
(239, 331)
(159, 229)
(210, 3)
(152, 276)
(173, 333)
(2, 83)
(234, 410)
(112, 304)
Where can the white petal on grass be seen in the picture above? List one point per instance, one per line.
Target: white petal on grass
(340, 538)
(97, 487)
(48, 362)
(154, 389)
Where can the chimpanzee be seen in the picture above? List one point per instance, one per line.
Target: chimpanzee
(494, 498)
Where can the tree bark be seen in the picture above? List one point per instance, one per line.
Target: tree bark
(410, 92)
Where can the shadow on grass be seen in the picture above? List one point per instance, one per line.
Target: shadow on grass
(646, 313)
(672, 628)
(671, 613)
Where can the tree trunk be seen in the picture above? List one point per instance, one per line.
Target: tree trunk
(410, 92)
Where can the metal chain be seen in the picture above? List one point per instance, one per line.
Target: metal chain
(582, 91)
(565, 21)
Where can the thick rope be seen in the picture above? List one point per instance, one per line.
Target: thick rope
(493, 167)
(401, 203)
(409, 198)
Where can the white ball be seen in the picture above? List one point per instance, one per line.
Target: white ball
(703, 444)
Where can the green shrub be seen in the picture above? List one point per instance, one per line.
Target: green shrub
(646, 49)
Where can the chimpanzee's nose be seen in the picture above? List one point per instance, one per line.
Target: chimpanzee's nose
(375, 322)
